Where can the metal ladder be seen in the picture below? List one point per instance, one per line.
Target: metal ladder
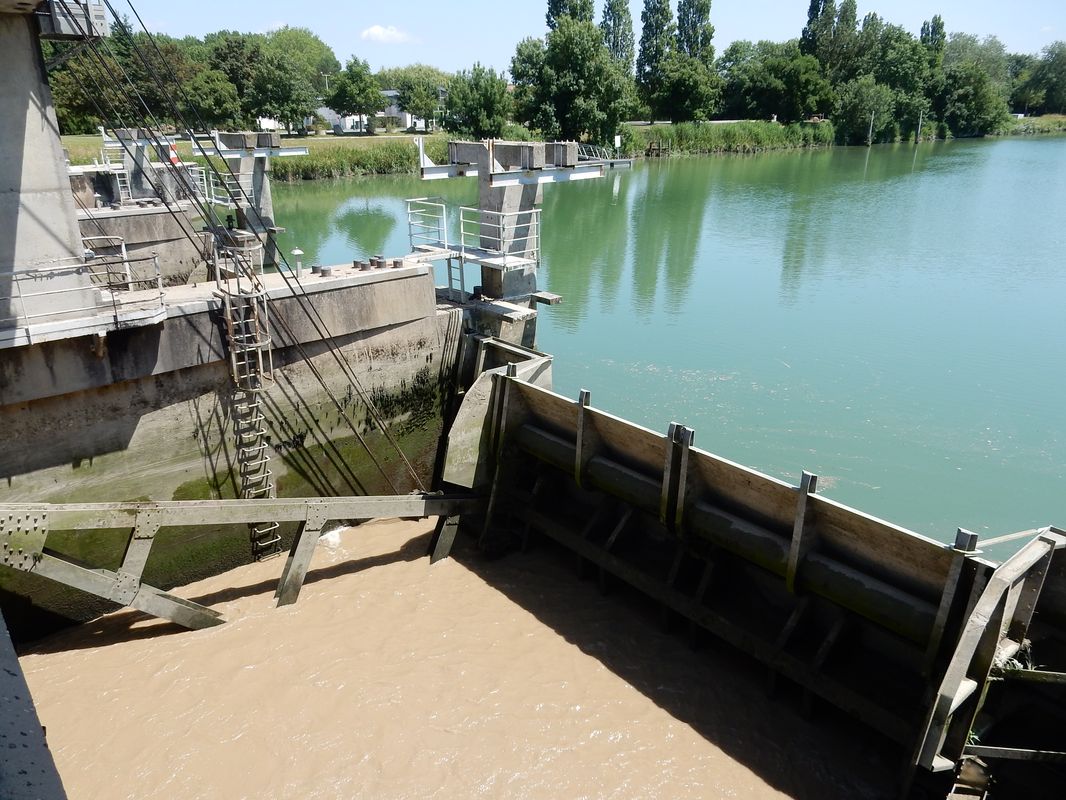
(112, 154)
(125, 193)
(456, 280)
(245, 310)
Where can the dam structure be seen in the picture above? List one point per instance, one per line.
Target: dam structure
(161, 430)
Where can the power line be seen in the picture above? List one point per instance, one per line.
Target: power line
(312, 312)
(206, 211)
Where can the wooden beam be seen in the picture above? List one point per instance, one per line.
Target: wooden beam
(140, 542)
(802, 538)
(443, 538)
(299, 561)
(675, 475)
(1016, 754)
(72, 516)
(127, 590)
(585, 445)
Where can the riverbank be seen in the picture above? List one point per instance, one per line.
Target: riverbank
(1035, 126)
(332, 157)
(392, 678)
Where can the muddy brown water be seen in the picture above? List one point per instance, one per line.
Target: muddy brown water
(391, 678)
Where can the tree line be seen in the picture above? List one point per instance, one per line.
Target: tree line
(226, 79)
(876, 81)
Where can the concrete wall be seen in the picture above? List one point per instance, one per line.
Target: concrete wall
(147, 231)
(150, 418)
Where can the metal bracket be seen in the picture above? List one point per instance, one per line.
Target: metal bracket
(22, 538)
(125, 588)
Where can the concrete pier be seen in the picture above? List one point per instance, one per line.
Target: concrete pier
(40, 232)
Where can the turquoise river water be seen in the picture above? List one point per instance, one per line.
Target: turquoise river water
(890, 319)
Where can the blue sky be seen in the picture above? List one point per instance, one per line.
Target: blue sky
(452, 35)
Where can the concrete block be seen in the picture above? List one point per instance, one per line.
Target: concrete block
(523, 155)
(465, 152)
(562, 154)
(268, 139)
(239, 141)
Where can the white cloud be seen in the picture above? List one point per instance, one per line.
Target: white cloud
(387, 34)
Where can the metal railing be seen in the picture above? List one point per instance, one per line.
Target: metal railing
(427, 222)
(593, 152)
(227, 191)
(103, 284)
(238, 263)
(512, 236)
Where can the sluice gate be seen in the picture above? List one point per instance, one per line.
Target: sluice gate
(951, 655)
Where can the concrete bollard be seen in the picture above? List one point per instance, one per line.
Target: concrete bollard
(316, 269)
(397, 263)
(326, 272)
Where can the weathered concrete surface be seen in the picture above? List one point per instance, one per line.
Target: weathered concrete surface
(36, 205)
(147, 231)
(151, 419)
(193, 334)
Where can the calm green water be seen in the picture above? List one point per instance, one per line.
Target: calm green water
(890, 319)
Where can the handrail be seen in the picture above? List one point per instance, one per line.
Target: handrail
(118, 284)
(427, 222)
(992, 608)
(504, 243)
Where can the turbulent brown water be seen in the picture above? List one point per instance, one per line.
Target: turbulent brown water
(394, 679)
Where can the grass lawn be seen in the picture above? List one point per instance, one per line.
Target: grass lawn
(82, 149)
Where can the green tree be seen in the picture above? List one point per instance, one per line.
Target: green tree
(689, 90)
(420, 96)
(392, 77)
(656, 40)
(988, 54)
(767, 79)
(816, 38)
(617, 27)
(933, 38)
(864, 110)
(1049, 76)
(844, 61)
(695, 31)
(973, 104)
(356, 92)
(314, 58)
(153, 68)
(580, 10)
(532, 96)
(237, 56)
(211, 99)
(478, 103)
(809, 35)
(81, 91)
(570, 86)
(281, 91)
